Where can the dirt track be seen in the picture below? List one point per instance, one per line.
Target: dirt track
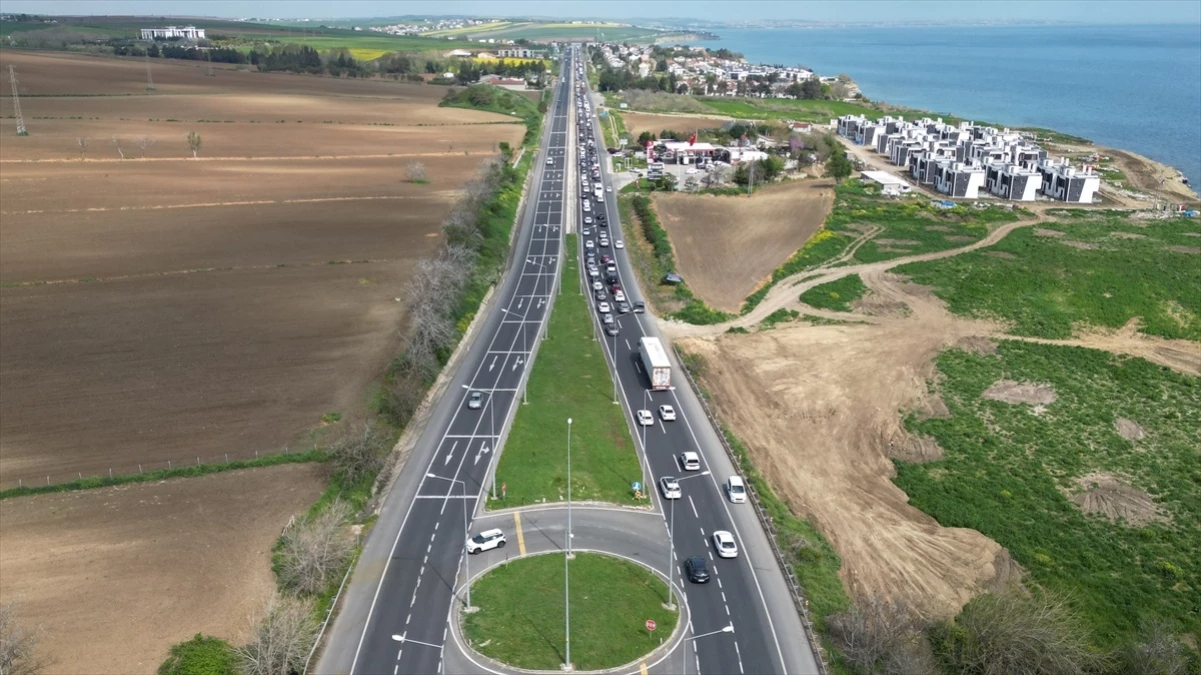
(114, 576)
(839, 388)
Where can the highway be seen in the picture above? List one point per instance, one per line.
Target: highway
(748, 592)
(427, 510)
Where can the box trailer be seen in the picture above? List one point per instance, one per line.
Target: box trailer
(654, 360)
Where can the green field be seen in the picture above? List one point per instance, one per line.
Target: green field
(1008, 468)
(1045, 286)
(521, 616)
(836, 295)
(800, 110)
(570, 379)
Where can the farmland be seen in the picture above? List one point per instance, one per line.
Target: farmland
(116, 575)
(764, 229)
(637, 123)
(166, 307)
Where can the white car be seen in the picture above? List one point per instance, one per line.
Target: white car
(619, 244)
(598, 286)
(690, 171)
(645, 418)
(736, 490)
(608, 188)
(723, 543)
(690, 461)
(587, 220)
(619, 296)
(485, 541)
(667, 413)
(589, 244)
(603, 307)
(670, 488)
(593, 272)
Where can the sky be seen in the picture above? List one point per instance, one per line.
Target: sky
(1087, 11)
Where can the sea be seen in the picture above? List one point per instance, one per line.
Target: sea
(1135, 87)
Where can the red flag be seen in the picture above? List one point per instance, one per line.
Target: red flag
(692, 141)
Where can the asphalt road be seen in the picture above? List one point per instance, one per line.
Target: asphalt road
(408, 574)
(748, 592)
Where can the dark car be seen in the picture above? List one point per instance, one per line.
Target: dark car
(606, 258)
(697, 570)
(600, 295)
(611, 329)
(639, 307)
(623, 307)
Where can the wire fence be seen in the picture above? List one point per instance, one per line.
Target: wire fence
(765, 520)
(13, 480)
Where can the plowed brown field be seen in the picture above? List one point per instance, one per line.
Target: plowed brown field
(163, 307)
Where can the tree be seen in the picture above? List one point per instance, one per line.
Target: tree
(811, 88)
(770, 168)
(194, 143)
(1015, 632)
(661, 65)
(1159, 651)
(84, 142)
(143, 143)
(415, 172)
(645, 137)
(838, 166)
(18, 646)
(359, 453)
(314, 550)
(280, 639)
(879, 636)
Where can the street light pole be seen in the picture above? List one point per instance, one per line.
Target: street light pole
(615, 370)
(570, 536)
(671, 530)
(495, 440)
(466, 537)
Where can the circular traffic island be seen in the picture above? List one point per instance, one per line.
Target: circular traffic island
(520, 619)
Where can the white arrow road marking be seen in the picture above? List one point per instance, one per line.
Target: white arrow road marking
(483, 451)
(493, 364)
(450, 454)
(519, 302)
(517, 362)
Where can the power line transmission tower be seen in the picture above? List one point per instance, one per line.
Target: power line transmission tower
(12, 78)
(149, 77)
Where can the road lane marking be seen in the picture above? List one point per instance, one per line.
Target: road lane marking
(520, 535)
(693, 504)
(642, 668)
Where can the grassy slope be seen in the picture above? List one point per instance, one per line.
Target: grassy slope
(521, 612)
(1004, 469)
(836, 295)
(1049, 286)
(800, 110)
(570, 379)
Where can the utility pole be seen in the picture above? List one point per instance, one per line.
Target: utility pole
(671, 529)
(570, 536)
(12, 78)
(149, 77)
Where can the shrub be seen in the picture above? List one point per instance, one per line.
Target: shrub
(202, 655)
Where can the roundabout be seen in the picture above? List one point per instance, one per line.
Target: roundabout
(619, 613)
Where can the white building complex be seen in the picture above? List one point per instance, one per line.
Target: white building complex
(961, 160)
(185, 32)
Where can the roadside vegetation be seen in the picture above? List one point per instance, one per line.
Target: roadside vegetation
(836, 295)
(1094, 493)
(570, 378)
(1096, 269)
(520, 621)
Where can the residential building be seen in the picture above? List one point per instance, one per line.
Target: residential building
(517, 53)
(169, 32)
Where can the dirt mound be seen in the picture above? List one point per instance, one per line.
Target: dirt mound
(1009, 391)
(1115, 499)
(891, 249)
(1041, 232)
(939, 228)
(1082, 245)
(933, 408)
(1129, 429)
(898, 242)
(1194, 250)
(874, 304)
(1003, 255)
(916, 449)
(959, 238)
(977, 344)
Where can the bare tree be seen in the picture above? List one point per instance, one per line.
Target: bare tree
(117, 143)
(194, 143)
(880, 636)
(1016, 632)
(415, 172)
(1159, 651)
(359, 452)
(84, 142)
(144, 143)
(314, 550)
(280, 638)
(18, 646)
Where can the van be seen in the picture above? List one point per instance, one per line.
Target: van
(736, 490)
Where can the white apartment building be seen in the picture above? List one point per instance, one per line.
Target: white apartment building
(185, 32)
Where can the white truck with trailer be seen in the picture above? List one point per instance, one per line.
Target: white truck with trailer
(654, 360)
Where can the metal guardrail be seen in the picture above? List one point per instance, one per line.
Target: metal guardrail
(798, 595)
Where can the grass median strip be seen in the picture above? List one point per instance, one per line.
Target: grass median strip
(570, 379)
(521, 617)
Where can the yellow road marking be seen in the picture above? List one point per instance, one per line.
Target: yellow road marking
(642, 668)
(520, 536)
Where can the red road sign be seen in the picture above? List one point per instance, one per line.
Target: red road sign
(650, 624)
